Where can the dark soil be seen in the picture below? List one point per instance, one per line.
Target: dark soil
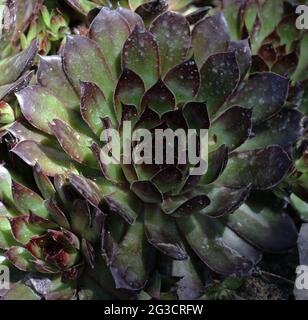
(273, 279)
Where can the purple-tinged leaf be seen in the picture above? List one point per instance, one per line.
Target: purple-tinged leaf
(168, 179)
(129, 91)
(132, 264)
(219, 78)
(197, 15)
(26, 200)
(56, 213)
(140, 54)
(112, 172)
(110, 31)
(224, 200)
(131, 17)
(51, 75)
(50, 160)
(209, 36)
(84, 61)
(150, 10)
(39, 106)
(218, 246)
(43, 183)
(20, 258)
(16, 86)
(263, 168)
(81, 6)
(265, 93)
(23, 131)
(75, 144)
(182, 206)
(284, 129)
(162, 233)
(217, 162)
(286, 65)
(232, 128)
(159, 99)
(243, 55)
(196, 115)
(22, 230)
(87, 188)
(147, 191)
(184, 81)
(94, 107)
(172, 33)
(12, 68)
(269, 230)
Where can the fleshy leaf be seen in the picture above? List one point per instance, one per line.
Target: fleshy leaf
(6, 238)
(16, 86)
(217, 163)
(84, 61)
(147, 191)
(182, 206)
(184, 80)
(267, 229)
(110, 31)
(224, 200)
(209, 36)
(284, 129)
(232, 128)
(159, 99)
(150, 10)
(39, 106)
(75, 144)
(219, 78)
(242, 54)
(26, 200)
(217, 246)
(132, 263)
(50, 160)
(263, 168)
(264, 93)
(140, 54)
(131, 18)
(172, 33)
(129, 91)
(51, 75)
(196, 115)
(94, 107)
(162, 233)
(13, 67)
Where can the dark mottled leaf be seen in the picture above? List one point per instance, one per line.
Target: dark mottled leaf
(51, 75)
(209, 36)
(172, 33)
(162, 233)
(184, 80)
(263, 168)
(140, 54)
(264, 93)
(219, 78)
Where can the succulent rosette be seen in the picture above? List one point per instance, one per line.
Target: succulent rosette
(164, 230)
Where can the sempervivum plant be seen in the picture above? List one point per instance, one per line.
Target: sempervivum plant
(162, 230)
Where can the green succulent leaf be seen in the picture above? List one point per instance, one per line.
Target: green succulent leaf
(209, 36)
(264, 93)
(172, 33)
(264, 169)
